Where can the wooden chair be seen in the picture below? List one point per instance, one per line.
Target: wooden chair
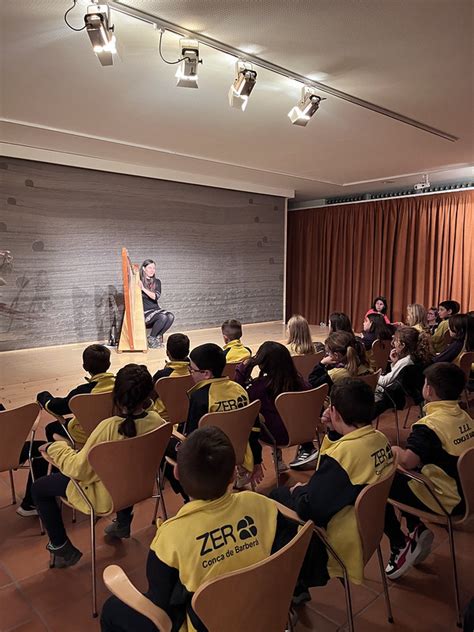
(237, 425)
(371, 379)
(304, 364)
(465, 467)
(381, 353)
(92, 408)
(300, 412)
(370, 515)
(15, 426)
(255, 598)
(128, 468)
(465, 362)
(229, 370)
(173, 391)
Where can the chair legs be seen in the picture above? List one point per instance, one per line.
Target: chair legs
(397, 427)
(159, 497)
(388, 605)
(455, 574)
(93, 566)
(12, 486)
(406, 417)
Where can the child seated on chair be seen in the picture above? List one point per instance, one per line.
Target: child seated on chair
(445, 310)
(132, 391)
(433, 448)
(353, 454)
(177, 365)
(214, 393)
(216, 533)
(234, 349)
(96, 362)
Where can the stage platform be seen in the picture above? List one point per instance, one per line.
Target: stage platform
(58, 369)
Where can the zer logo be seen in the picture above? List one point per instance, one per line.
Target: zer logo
(217, 538)
(231, 404)
(382, 455)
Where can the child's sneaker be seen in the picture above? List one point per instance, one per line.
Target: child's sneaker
(243, 478)
(26, 511)
(422, 539)
(401, 560)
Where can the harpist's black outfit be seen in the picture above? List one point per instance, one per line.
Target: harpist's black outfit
(160, 320)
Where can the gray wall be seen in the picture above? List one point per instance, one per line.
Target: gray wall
(219, 253)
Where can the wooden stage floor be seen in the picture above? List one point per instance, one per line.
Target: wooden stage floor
(58, 369)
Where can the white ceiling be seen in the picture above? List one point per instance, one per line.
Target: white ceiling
(412, 56)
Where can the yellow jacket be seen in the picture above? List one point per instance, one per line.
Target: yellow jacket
(439, 343)
(454, 430)
(75, 464)
(236, 352)
(103, 383)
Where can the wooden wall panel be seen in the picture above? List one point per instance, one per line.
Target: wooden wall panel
(219, 253)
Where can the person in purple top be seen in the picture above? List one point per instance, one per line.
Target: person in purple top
(277, 375)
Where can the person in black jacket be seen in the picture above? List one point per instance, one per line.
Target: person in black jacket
(160, 320)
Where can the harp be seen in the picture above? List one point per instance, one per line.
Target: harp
(133, 334)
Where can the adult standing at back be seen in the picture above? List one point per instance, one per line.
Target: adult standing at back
(160, 320)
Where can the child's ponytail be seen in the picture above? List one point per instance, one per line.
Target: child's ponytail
(133, 386)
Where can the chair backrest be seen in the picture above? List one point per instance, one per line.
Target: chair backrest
(15, 425)
(300, 412)
(304, 364)
(92, 408)
(237, 425)
(465, 362)
(381, 353)
(255, 598)
(128, 467)
(229, 370)
(370, 513)
(173, 391)
(466, 476)
(371, 379)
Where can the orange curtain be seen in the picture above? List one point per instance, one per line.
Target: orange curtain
(410, 250)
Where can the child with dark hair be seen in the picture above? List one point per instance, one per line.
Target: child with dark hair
(277, 375)
(338, 321)
(177, 365)
(445, 310)
(233, 348)
(461, 329)
(214, 393)
(375, 328)
(96, 362)
(379, 306)
(216, 533)
(433, 448)
(345, 466)
(132, 391)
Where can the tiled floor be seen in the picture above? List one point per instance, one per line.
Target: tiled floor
(34, 598)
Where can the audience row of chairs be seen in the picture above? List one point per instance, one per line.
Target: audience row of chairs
(139, 473)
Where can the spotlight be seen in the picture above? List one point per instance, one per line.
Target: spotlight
(243, 85)
(306, 107)
(187, 71)
(101, 32)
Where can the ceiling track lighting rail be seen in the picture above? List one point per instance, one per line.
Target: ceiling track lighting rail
(279, 70)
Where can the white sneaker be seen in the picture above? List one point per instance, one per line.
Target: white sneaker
(26, 513)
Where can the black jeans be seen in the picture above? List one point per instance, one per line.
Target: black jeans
(39, 465)
(116, 616)
(401, 491)
(45, 492)
(55, 427)
(159, 321)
